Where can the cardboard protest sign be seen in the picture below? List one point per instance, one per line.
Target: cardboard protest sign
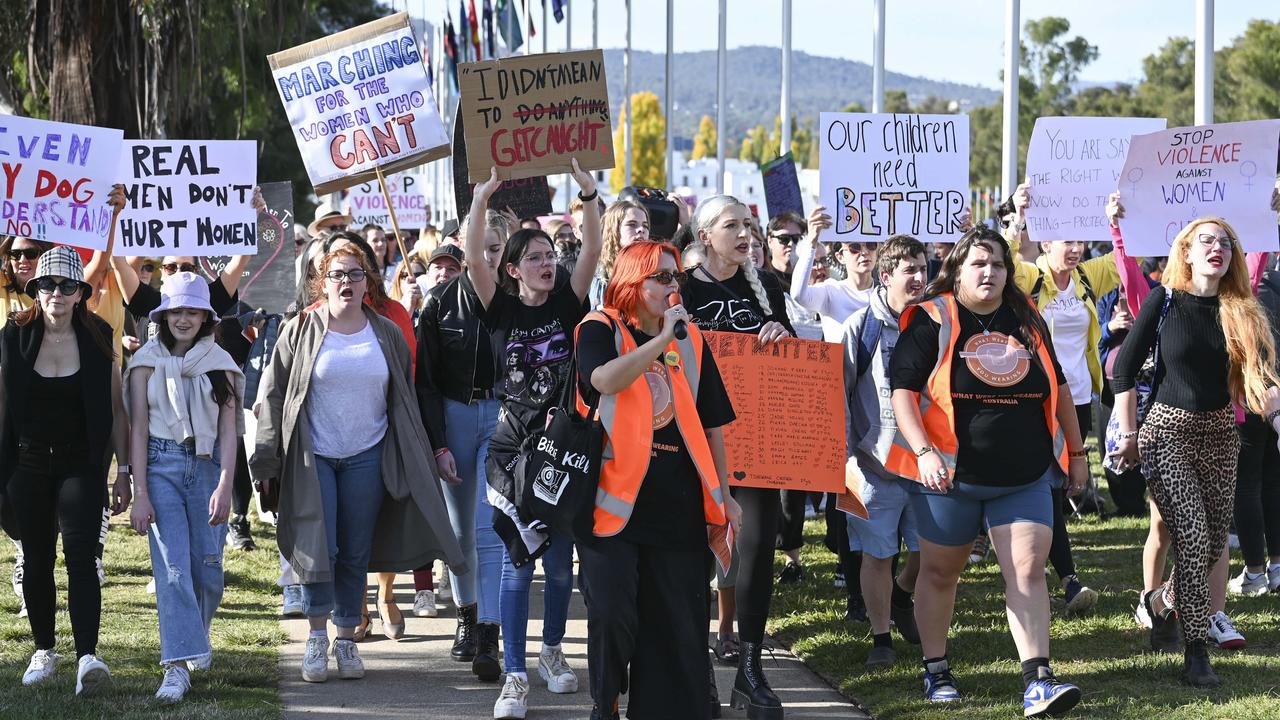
(850, 501)
(789, 402)
(527, 197)
(368, 205)
(188, 197)
(882, 174)
(782, 186)
(269, 280)
(1073, 165)
(358, 100)
(1174, 176)
(527, 115)
(56, 180)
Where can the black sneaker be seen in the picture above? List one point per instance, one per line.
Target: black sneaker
(791, 574)
(238, 533)
(856, 610)
(1166, 631)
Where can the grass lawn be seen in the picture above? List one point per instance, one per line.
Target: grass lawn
(241, 683)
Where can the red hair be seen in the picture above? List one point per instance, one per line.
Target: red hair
(634, 264)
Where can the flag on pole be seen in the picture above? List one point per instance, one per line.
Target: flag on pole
(557, 9)
(509, 25)
(464, 33)
(528, 13)
(450, 51)
(490, 44)
(475, 28)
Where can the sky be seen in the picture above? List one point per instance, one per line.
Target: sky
(955, 40)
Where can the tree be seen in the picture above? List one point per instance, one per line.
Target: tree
(1051, 63)
(802, 144)
(704, 143)
(1168, 86)
(648, 144)
(755, 145)
(895, 101)
(1248, 73)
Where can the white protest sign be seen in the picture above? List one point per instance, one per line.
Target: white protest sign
(368, 206)
(360, 100)
(1174, 176)
(884, 174)
(1073, 164)
(188, 197)
(56, 180)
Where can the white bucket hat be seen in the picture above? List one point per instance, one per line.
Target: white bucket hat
(183, 290)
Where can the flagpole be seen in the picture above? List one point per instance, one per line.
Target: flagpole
(595, 23)
(668, 99)
(721, 81)
(877, 58)
(528, 21)
(511, 28)
(1009, 137)
(1204, 62)
(626, 94)
(785, 147)
(545, 26)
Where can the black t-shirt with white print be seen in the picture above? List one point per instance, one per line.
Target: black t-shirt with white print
(731, 305)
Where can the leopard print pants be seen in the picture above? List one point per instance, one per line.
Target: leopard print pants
(1189, 460)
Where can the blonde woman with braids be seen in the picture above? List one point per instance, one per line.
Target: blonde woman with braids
(1215, 348)
(623, 223)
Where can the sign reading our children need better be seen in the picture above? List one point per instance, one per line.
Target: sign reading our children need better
(359, 100)
(528, 115)
(883, 174)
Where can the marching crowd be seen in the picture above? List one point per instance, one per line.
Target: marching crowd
(391, 416)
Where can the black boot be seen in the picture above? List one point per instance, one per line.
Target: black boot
(751, 690)
(464, 639)
(1196, 670)
(486, 664)
(715, 694)
(1166, 631)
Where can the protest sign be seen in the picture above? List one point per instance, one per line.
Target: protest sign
(188, 197)
(884, 174)
(527, 115)
(789, 402)
(1174, 176)
(269, 278)
(56, 180)
(359, 100)
(782, 187)
(850, 501)
(1073, 165)
(368, 206)
(527, 197)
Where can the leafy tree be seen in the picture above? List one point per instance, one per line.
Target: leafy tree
(648, 144)
(895, 101)
(755, 146)
(1247, 77)
(1052, 63)
(704, 143)
(802, 143)
(1168, 86)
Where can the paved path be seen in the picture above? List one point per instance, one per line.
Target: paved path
(415, 678)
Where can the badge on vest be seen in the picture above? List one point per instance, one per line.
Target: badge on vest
(672, 358)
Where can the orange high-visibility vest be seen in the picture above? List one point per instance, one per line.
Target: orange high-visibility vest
(627, 418)
(936, 409)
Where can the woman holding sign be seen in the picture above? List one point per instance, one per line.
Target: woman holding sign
(986, 429)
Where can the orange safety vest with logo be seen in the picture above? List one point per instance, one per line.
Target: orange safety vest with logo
(936, 409)
(628, 422)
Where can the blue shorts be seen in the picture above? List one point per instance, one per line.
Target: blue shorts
(891, 519)
(954, 518)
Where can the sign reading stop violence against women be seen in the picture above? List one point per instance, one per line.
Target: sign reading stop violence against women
(188, 197)
(56, 180)
(360, 100)
(789, 402)
(528, 115)
(368, 206)
(1073, 165)
(883, 174)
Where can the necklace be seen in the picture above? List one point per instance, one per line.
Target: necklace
(986, 327)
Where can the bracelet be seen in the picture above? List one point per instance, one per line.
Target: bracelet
(1080, 454)
(924, 451)
(1271, 416)
(442, 451)
(1127, 435)
(588, 198)
(127, 469)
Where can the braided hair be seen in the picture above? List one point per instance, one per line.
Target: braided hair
(704, 219)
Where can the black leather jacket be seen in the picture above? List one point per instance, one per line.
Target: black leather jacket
(449, 336)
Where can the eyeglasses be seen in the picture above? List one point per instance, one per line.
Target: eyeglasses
(171, 268)
(540, 258)
(666, 277)
(148, 267)
(1208, 241)
(28, 253)
(47, 285)
(355, 276)
(786, 239)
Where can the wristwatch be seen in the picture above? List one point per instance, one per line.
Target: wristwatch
(126, 469)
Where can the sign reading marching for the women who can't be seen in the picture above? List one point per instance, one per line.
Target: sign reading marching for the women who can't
(188, 197)
(359, 100)
(1174, 176)
(368, 206)
(883, 174)
(56, 180)
(1073, 165)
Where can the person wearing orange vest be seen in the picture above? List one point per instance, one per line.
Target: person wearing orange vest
(663, 494)
(986, 429)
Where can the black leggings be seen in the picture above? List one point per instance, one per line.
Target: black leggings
(755, 559)
(1060, 550)
(49, 492)
(241, 487)
(1257, 502)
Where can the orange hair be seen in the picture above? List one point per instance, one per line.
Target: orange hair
(634, 264)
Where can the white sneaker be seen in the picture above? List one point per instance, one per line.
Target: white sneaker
(1247, 583)
(204, 662)
(350, 666)
(16, 578)
(424, 604)
(1222, 632)
(1141, 616)
(102, 572)
(177, 681)
(42, 666)
(22, 611)
(92, 676)
(151, 587)
(315, 663)
(1273, 577)
(293, 606)
(556, 671)
(513, 701)
(979, 552)
(444, 591)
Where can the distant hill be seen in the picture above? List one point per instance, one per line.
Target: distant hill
(755, 82)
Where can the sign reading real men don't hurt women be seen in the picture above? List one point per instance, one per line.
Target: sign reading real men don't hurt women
(359, 100)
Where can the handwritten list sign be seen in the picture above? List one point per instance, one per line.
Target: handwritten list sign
(789, 402)
(56, 180)
(782, 186)
(368, 206)
(1073, 165)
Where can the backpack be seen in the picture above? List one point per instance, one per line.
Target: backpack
(1084, 281)
(867, 341)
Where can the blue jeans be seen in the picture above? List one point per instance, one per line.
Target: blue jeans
(351, 494)
(557, 566)
(467, 432)
(186, 552)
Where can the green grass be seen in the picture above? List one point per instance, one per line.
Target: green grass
(246, 634)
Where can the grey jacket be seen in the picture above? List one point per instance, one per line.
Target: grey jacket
(870, 424)
(412, 528)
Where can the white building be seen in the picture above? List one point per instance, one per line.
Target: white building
(742, 180)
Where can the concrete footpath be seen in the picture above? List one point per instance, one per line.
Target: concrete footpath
(415, 677)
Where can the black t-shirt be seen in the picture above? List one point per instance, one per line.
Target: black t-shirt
(731, 305)
(998, 390)
(668, 510)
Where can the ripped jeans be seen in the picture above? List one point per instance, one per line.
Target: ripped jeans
(186, 553)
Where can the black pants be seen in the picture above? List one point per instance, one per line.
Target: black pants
(1257, 502)
(647, 609)
(755, 559)
(49, 492)
(1060, 550)
(791, 523)
(837, 541)
(241, 486)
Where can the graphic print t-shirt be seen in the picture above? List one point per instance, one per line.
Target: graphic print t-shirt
(731, 305)
(998, 390)
(668, 510)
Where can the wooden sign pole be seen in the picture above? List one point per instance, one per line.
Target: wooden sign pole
(395, 224)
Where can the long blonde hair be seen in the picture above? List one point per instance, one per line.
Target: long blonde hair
(1244, 323)
(704, 219)
(611, 233)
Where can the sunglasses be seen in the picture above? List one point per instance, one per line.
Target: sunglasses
(148, 267)
(171, 268)
(338, 276)
(666, 277)
(857, 248)
(787, 239)
(28, 253)
(47, 285)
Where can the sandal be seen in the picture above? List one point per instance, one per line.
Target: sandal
(362, 630)
(726, 649)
